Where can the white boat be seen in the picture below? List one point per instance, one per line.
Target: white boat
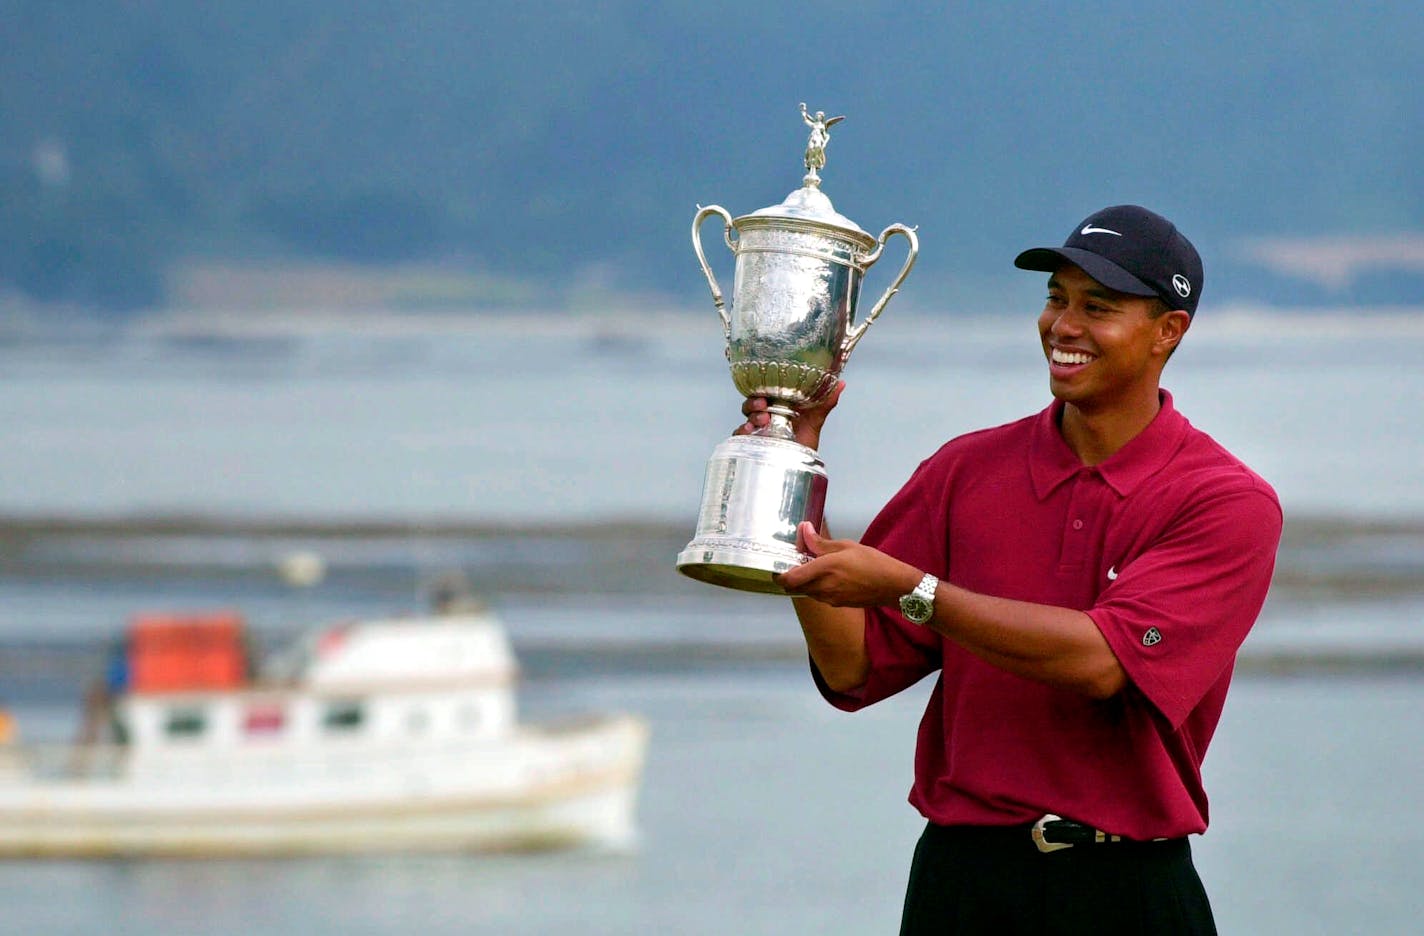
(378, 736)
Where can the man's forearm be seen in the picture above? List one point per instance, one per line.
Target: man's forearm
(835, 638)
(1058, 646)
(1048, 644)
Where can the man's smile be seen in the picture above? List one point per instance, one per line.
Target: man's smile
(1069, 357)
(1066, 356)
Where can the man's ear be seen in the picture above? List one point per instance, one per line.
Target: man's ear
(1171, 326)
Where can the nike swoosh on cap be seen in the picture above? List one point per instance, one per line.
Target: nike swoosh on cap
(1089, 229)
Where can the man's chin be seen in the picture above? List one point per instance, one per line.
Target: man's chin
(1064, 390)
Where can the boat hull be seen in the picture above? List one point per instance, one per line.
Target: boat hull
(541, 788)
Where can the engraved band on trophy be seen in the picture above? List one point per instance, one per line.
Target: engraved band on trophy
(798, 273)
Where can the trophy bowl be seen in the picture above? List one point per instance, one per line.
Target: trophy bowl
(796, 292)
(799, 267)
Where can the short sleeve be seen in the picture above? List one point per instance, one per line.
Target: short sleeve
(912, 527)
(1178, 612)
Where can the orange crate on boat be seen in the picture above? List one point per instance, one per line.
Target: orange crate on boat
(185, 652)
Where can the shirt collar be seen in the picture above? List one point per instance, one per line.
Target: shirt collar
(1051, 461)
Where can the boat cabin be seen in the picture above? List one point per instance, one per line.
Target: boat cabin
(186, 682)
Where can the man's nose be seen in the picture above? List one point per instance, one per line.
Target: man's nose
(1067, 324)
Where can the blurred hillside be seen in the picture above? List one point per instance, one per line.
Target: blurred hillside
(544, 150)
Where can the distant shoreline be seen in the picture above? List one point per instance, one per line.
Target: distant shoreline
(1348, 562)
(186, 524)
(1319, 528)
(1322, 556)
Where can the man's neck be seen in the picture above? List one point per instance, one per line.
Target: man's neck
(1096, 434)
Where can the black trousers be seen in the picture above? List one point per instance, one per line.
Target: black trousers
(974, 880)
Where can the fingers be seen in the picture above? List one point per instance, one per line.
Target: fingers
(843, 573)
(754, 408)
(808, 540)
(814, 544)
(808, 422)
(794, 580)
(832, 398)
(813, 580)
(812, 418)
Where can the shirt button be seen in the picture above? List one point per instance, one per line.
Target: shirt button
(1077, 524)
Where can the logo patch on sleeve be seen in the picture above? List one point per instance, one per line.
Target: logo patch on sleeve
(1152, 637)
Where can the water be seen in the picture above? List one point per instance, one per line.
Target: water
(600, 418)
(763, 811)
(766, 812)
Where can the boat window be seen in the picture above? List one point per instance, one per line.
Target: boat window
(264, 720)
(185, 722)
(343, 716)
(470, 717)
(417, 721)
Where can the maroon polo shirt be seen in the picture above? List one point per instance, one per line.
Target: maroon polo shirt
(1168, 546)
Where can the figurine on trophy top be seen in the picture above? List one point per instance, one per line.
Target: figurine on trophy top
(799, 267)
(816, 147)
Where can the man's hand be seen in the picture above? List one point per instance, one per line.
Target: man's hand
(807, 424)
(845, 574)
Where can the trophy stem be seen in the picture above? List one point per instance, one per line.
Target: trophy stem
(780, 425)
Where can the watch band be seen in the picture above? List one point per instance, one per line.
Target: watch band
(918, 605)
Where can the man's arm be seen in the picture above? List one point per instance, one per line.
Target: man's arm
(1058, 646)
(835, 637)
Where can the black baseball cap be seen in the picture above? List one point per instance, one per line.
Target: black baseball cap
(1131, 250)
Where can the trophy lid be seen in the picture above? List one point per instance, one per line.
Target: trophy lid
(809, 203)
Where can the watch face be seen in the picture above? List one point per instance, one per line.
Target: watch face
(916, 608)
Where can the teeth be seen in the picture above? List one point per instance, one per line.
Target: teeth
(1060, 356)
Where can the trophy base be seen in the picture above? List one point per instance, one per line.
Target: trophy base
(742, 566)
(757, 491)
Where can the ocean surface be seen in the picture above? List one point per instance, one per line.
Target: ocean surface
(607, 417)
(556, 463)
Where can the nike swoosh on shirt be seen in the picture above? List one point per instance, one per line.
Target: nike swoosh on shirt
(1112, 574)
(1089, 229)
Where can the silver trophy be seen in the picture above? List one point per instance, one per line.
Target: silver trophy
(799, 267)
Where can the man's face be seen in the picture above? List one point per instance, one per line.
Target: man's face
(1103, 347)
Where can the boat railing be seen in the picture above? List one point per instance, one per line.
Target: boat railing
(64, 762)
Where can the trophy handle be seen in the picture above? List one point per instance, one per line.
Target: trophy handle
(909, 234)
(702, 258)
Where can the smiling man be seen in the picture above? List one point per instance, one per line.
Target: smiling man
(1080, 580)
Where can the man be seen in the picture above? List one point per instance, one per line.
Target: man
(1081, 579)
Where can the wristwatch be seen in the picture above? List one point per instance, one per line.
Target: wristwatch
(918, 605)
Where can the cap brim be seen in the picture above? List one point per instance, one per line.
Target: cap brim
(1048, 259)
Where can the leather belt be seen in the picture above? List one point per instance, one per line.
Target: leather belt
(1052, 833)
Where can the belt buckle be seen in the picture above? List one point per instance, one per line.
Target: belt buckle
(1038, 839)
